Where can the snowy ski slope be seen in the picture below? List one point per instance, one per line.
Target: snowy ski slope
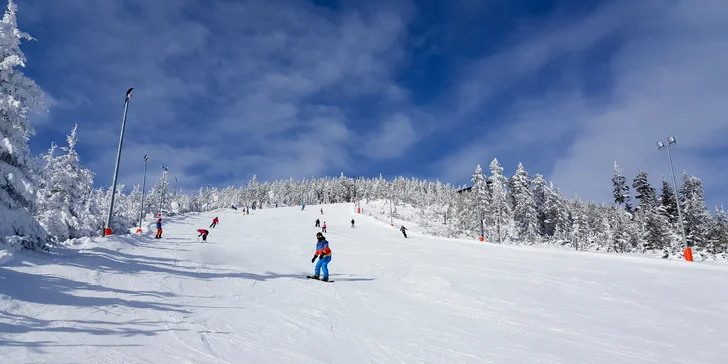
(243, 298)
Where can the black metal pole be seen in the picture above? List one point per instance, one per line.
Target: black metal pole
(107, 230)
(144, 184)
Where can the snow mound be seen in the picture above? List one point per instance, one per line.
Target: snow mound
(5, 255)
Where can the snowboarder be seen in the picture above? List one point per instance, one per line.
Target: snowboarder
(203, 234)
(215, 221)
(323, 228)
(323, 253)
(318, 223)
(402, 229)
(352, 222)
(159, 229)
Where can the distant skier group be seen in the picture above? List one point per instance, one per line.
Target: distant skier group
(204, 232)
(318, 225)
(323, 251)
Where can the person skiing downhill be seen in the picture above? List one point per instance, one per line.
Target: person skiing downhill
(215, 221)
(323, 228)
(159, 229)
(402, 229)
(323, 253)
(203, 234)
(318, 223)
(352, 222)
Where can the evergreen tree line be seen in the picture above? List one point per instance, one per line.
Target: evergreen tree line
(530, 211)
(51, 198)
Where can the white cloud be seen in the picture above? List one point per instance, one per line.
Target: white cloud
(390, 139)
(665, 79)
(257, 87)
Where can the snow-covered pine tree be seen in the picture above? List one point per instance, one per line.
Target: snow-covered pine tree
(18, 96)
(599, 229)
(538, 187)
(654, 225)
(204, 197)
(253, 194)
(718, 232)
(557, 211)
(498, 217)
(619, 220)
(128, 207)
(102, 199)
(63, 193)
(525, 215)
(478, 199)
(621, 188)
(578, 236)
(669, 202)
(656, 232)
(162, 189)
(695, 214)
(644, 192)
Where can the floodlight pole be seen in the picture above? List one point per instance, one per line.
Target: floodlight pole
(660, 145)
(144, 184)
(391, 209)
(482, 224)
(107, 229)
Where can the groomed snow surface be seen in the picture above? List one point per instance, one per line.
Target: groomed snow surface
(244, 298)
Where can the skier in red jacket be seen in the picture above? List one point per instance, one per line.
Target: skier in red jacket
(215, 221)
(203, 234)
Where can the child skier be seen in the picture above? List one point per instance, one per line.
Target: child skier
(159, 229)
(203, 234)
(323, 228)
(215, 221)
(402, 229)
(323, 253)
(318, 223)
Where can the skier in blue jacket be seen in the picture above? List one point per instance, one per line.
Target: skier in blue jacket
(323, 252)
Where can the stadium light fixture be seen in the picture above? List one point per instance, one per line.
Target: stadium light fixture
(660, 146)
(144, 184)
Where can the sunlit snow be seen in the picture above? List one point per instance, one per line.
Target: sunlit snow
(243, 298)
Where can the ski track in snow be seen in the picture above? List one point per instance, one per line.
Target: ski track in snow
(244, 297)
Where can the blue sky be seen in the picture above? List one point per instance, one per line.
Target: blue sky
(294, 88)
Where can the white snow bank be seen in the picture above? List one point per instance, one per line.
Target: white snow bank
(432, 222)
(5, 255)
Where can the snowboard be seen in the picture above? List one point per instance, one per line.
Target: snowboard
(311, 277)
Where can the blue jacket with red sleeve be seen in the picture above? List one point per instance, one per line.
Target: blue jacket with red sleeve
(322, 247)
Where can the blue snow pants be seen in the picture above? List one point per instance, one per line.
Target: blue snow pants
(323, 264)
